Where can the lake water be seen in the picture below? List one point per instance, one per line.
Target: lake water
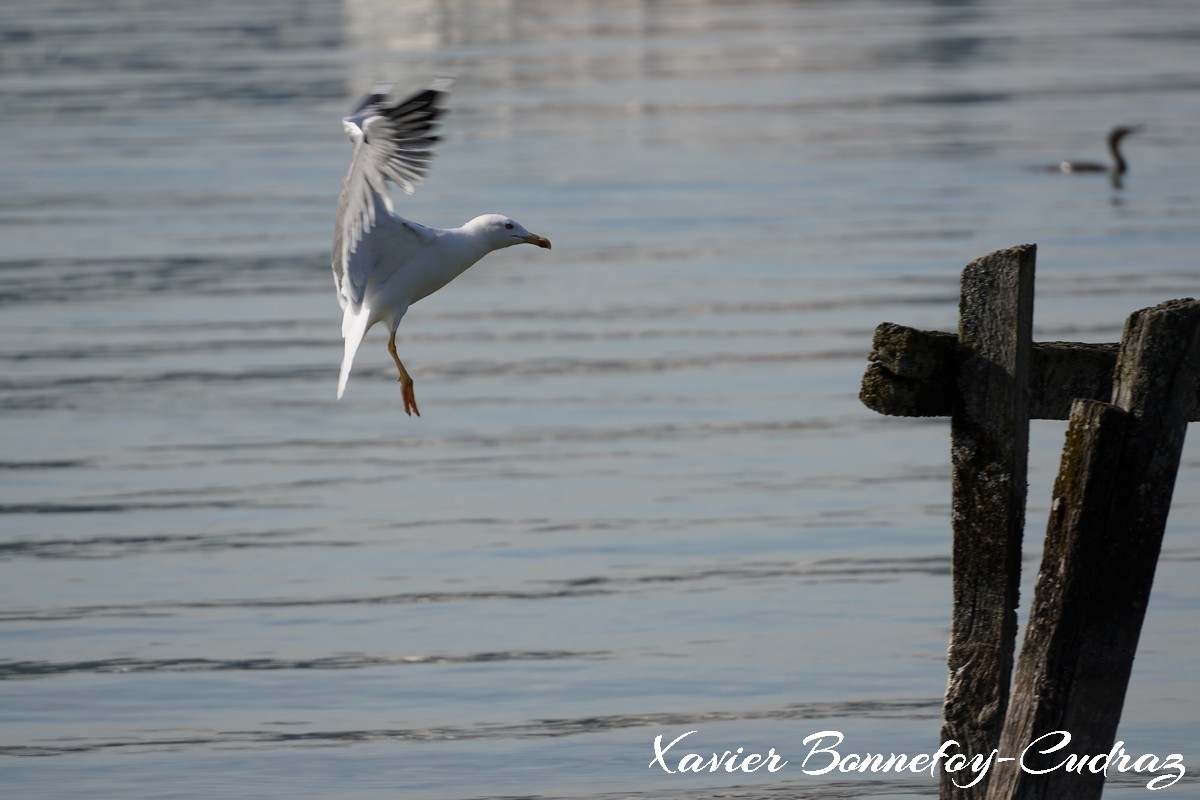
(643, 498)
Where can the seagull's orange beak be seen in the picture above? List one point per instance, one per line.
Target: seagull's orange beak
(540, 241)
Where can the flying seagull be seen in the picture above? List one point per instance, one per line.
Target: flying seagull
(383, 263)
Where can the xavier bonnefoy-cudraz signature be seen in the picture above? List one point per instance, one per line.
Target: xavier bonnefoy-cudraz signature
(823, 753)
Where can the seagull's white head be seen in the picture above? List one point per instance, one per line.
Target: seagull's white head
(500, 231)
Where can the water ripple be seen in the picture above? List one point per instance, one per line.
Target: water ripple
(907, 708)
(40, 669)
(836, 569)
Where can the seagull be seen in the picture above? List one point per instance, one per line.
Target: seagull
(383, 263)
(1118, 167)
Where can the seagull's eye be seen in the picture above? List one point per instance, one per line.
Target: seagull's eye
(508, 226)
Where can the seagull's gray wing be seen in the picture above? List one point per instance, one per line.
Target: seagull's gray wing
(393, 141)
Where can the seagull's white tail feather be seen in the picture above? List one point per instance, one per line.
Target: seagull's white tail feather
(354, 329)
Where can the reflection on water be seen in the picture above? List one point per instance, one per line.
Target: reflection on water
(644, 497)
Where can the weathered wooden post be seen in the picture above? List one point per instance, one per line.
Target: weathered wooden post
(989, 445)
(991, 380)
(1111, 501)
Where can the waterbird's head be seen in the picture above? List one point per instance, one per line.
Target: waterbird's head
(1117, 134)
(501, 231)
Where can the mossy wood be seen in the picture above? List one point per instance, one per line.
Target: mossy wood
(989, 444)
(912, 371)
(1105, 532)
(1107, 519)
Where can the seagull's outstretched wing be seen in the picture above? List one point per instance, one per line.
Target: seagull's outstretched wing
(393, 141)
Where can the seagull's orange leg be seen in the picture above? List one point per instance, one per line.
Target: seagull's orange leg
(406, 381)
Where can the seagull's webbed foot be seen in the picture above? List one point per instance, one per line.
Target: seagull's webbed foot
(406, 381)
(410, 399)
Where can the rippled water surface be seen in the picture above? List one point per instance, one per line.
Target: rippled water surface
(643, 498)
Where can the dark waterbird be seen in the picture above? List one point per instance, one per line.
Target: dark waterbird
(1118, 167)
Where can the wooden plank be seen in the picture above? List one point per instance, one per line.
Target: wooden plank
(912, 374)
(1066, 371)
(989, 430)
(1109, 513)
(1069, 579)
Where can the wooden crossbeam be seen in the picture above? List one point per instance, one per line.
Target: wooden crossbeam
(912, 374)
